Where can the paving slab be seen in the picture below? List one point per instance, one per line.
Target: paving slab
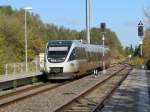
(133, 95)
(10, 77)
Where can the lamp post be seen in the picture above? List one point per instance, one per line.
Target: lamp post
(25, 34)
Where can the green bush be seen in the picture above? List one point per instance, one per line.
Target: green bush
(34, 79)
(14, 83)
(2, 69)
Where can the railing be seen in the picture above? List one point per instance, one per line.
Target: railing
(15, 68)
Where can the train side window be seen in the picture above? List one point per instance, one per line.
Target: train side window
(83, 53)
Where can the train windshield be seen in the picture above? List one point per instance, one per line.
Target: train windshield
(58, 50)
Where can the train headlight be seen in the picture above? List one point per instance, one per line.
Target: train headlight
(72, 64)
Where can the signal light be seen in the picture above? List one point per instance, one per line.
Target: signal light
(103, 27)
(140, 31)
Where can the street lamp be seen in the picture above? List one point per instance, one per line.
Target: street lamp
(26, 47)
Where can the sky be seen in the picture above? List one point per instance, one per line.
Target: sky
(121, 16)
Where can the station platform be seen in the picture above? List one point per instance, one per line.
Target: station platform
(133, 95)
(15, 80)
(10, 77)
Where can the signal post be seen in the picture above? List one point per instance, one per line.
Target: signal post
(103, 32)
(141, 35)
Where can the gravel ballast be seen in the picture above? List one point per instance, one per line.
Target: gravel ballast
(51, 100)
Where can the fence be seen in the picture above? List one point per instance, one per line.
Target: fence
(14, 68)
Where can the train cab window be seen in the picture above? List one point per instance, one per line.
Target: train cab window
(73, 55)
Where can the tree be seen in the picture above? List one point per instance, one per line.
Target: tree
(146, 42)
(12, 35)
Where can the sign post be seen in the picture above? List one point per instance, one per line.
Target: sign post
(141, 35)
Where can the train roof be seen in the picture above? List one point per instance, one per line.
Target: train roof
(62, 42)
(79, 43)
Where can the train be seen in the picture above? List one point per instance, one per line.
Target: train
(68, 59)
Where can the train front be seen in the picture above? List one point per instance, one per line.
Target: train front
(57, 65)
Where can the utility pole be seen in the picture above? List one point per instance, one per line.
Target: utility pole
(88, 20)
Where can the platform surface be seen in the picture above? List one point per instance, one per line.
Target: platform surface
(133, 95)
(10, 77)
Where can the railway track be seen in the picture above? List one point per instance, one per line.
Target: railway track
(17, 95)
(93, 99)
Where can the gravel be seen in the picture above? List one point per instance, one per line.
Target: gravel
(49, 101)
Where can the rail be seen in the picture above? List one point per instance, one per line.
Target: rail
(68, 107)
(17, 95)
